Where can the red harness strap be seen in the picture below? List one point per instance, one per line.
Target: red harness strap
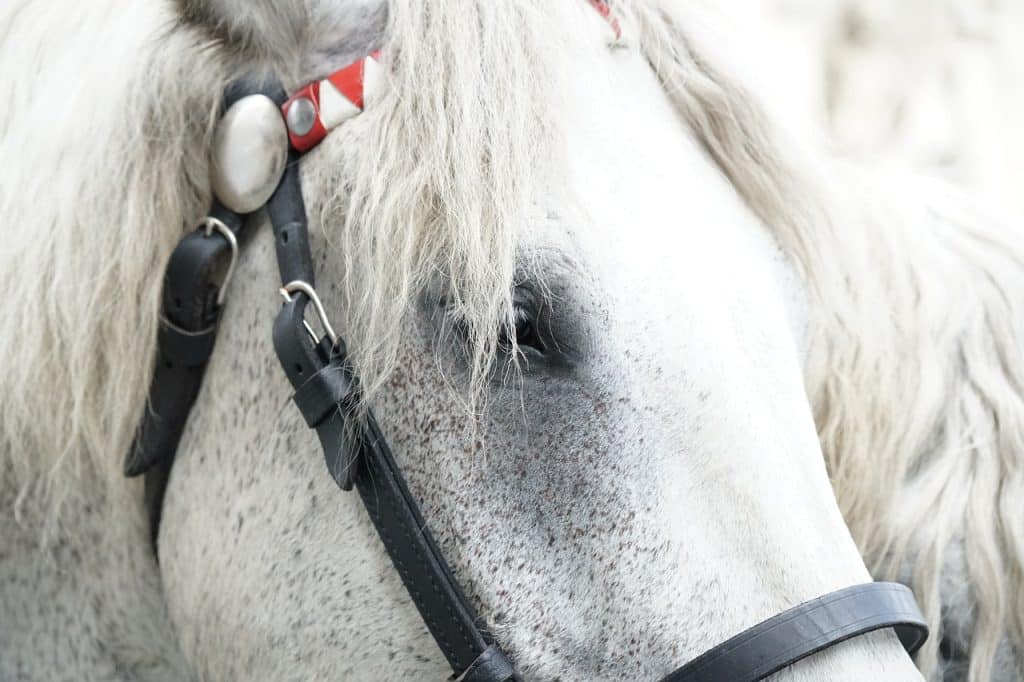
(319, 107)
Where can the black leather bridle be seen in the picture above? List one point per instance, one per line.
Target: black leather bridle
(357, 456)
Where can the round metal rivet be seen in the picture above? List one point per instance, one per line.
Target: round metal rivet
(301, 116)
(250, 150)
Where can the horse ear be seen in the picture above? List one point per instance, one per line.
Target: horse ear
(288, 33)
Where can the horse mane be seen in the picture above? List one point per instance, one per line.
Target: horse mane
(914, 370)
(103, 174)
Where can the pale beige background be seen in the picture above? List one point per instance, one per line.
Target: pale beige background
(934, 85)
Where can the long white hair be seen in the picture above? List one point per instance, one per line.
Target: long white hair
(914, 371)
(105, 161)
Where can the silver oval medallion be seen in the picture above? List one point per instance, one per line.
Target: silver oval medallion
(250, 150)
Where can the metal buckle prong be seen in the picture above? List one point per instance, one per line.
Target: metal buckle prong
(209, 225)
(299, 286)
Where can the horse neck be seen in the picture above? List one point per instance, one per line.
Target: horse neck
(916, 379)
(83, 587)
(921, 303)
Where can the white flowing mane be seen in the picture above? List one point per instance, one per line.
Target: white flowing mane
(914, 371)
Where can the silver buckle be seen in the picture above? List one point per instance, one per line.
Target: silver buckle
(299, 286)
(209, 225)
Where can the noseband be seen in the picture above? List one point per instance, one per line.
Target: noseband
(327, 394)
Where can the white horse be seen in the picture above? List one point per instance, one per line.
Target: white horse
(630, 477)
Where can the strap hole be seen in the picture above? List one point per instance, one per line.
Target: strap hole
(177, 303)
(298, 368)
(284, 236)
(169, 365)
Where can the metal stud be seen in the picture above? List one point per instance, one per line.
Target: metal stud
(301, 116)
(250, 150)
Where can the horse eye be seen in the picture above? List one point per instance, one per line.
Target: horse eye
(526, 335)
(525, 332)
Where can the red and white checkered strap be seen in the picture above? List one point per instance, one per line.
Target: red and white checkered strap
(319, 107)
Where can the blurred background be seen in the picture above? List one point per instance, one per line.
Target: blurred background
(932, 85)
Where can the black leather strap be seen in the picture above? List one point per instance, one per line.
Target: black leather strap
(184, 343)
(492, 664)
(321, 388)
(357, 454)
(287, 212)
(792, 635)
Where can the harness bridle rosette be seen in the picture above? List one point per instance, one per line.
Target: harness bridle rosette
(247, 177)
